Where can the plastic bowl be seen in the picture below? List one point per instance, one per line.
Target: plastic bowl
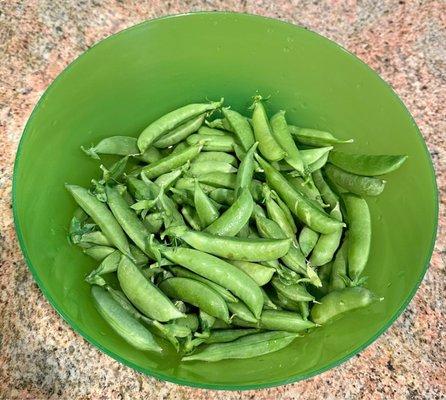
(127, 80)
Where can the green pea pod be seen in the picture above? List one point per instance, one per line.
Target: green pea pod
(205, 167)
(276, 214)
(140, 259)
(217, 156)
(339, 268)
(295, 292)
(171, 120)
(365, 164)
(219, 123)
(143, 294)
(286, 211)
(212, 142)
(122, 322)
(308, 239)
(180, 133)
(339, 302)
(191, 216)
(99, 253)
(167, 180)
(261, 274)
(268, 303)
(114, 145)
(190, 321)
(153, 222)
(284, 321)
(179, 148)
(245, 347)
(220, 272)
(359, 234)
(314, 137)
(206, 210)
(304, 309)
(245, 171)
(197, 294)
(307, 188)
(328, 196)
(241, 311)
(222, 196)
(206, 130)
(240, 126)
(183, 197)
(318, 164)
(312, 156)
(229, 335)
(324, 273)
(263, 133)
(218, 179)
(108, 264)
(357, 184)
(95, 237)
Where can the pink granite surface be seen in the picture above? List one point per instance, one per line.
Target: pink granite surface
(40, 355)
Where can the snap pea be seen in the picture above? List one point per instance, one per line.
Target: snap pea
(219, 324)
(286, 211)
(153, 222)
(122, 322)
(338, 302)
(245, 171)
(217, 156)
(180, 133)
(206, 130)
(206, 210)
(324, 273)
(191, 216)
(139, 258)
(245, 347)
(268, 303)
(295, 292)
(189, 184)
(109, 264)
(95, 237)
(240, 126)
(314, 137)
(167, 180)
(304, 309)
(240, 310)
(245, 231)
(222, 196)
(182, 197)
(197, 294)
(213, 142)
(339, 268)
(218, 179)
(365, 164)
(171, 120)
(312, 156)
(205, 167)
(261, 274)
(307, 188)
(190, 321)
(229, 335)
(359, 234)
(276, 214)
(308, 239)
(318, 164)
(98, 252)
(219, 123)
(178, 148)
(263, 133)
(328, 196)
(281, 320)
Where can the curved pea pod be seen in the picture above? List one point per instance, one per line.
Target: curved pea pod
(102, 216)
(228, 335)
(143, 294)
(366, 164)
(205, 167)
(359, 234)
(240, 310)
(310, 215)
(312, 156)
(240, 126)
(108, 264)
(327, 194)
(167, 180)
(180, 133)
(279, 320)
(99, 253)
(235, 217)
(171, 120)
(213, 142)
(217, 156)
(220, 272)
(191, 216)
(197, 294)
(172, 161)
(357, 184)
(295, 292)
(245, 171)
(339, 302)
(245, 347)
(206, 210)
(95, 237)
(218, 179)
(307, 240)
(326, 245)
(339, 277)
(122, 322)
(260, 273)
(263, 133)
(318, 164)
(277, 214)
(314, 137)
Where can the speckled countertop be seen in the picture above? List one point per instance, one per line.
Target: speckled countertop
(404, 41)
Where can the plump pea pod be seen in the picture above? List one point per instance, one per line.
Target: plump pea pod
(235, 217)
(178, 148)
(122, 322)
(310, 215)
(213, 142)
(326, 245)
(98, 252)
(233, 248)
(276, 214)
(261, 274)
(197, 294)
(172, 161)
(218, 179)
(263, 133)
(185, 273)
(284, 321)
(313, 137)
(102, 216)
(108, 264)
(240, 310)
(359, 234)
(339, 302)
(240, 126)
(167, 180)
(206, 130)
(268, 303)
(365, 164)
(182, 196)
(286, 211)
(180, 133)
(191, 216)
(220, 272)
(245, 171)
(143, 294)
(328, 196)
(245, 347)
(304, 309)
(307, 188)
(206, 210)
(217, 156)
(172, 120)
(308, 239)
(229, 335)
(205, 167)
(357, 184)
(339, 269)
(283, 136)
(295, 292)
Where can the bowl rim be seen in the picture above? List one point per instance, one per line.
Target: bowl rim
(180, 381)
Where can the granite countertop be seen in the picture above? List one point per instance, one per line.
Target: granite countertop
(404, 41)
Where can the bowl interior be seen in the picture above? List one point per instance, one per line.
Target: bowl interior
(126, 81)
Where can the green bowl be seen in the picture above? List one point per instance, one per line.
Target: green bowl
(127, 80)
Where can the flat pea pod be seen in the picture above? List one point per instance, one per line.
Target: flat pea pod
(366, 164)
(143, 294)
(339, 302)
(280, 320)
(357, 184)
(326, 245)
(197, 294)
(283, 136)
(235, 217)
(263, 133)
(310, 215)
(245, 171)
(240, 310)
(339, 278)
(276, 213)
(295, 292)
(185, 273)
(240, 126)
(260, 273)
(171, 162)
(180, 133)
(205, 167)
(212, 142)
(228, 335)
(220, 272)
(245, 347)
(206, 210)
(98, 252)
(171, 120)
(233, 248)
(217, 156)
(327, 194)
(314, 137)
(102, 216)
(132, 331)
(359, 234)
(191, 216)
(108, 264)
(218, 179)
(308, 239)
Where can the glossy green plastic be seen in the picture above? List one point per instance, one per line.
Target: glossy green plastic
(123, 83)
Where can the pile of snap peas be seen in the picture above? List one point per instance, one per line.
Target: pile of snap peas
(230, 236)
